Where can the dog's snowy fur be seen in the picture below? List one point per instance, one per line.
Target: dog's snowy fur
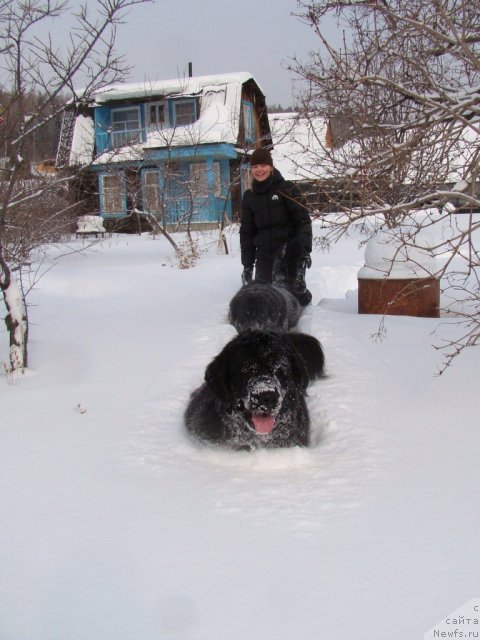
(254, 392)
(264, 306)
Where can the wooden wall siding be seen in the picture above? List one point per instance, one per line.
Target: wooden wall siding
(263, 136)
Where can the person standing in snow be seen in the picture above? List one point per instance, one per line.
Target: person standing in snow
(275, 230)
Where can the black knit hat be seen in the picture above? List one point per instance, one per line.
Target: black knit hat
(261, 156)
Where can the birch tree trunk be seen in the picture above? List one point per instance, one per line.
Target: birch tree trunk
(16, 320)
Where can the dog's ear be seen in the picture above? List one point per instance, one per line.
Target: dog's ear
(311, 352)
(298, 366)
(216, 376)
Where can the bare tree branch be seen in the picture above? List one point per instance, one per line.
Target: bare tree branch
(407, 78)
(36, 78)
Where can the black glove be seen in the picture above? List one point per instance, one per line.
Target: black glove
(247, 275)
(307, 260)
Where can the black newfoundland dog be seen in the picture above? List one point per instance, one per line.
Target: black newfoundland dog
(264, 306)
(254, 392)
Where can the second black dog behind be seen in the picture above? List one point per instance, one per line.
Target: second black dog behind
(264, 306)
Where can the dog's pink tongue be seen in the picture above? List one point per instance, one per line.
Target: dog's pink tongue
(263, 424)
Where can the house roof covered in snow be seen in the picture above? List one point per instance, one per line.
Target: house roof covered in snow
(176, 87)
(306, 148)
(220, 98)
(299, 145)
(220, 104)
(220, 108)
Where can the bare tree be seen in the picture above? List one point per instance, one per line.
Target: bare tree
(406, 76)
(36, 77)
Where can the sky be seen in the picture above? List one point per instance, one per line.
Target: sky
(159, 40)
(218, 36)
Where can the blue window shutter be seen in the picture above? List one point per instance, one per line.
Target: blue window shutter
(210, 177)
(171, 114)
(102, 128)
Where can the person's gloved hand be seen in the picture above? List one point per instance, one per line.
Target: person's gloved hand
(247, 275)
(307, 260)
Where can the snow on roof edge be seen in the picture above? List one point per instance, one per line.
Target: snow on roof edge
(178, 86)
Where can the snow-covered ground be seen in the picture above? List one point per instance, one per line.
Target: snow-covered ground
(114, 526)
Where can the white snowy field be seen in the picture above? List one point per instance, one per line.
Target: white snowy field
(114, 526)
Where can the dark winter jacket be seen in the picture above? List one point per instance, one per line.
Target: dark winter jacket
(273, 213)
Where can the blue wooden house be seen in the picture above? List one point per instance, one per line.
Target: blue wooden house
(174, 149)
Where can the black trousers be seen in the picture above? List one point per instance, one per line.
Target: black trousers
(280, 266)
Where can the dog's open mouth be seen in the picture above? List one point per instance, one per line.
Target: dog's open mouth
(263, 424)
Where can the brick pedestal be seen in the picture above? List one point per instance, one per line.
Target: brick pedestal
(408, 297)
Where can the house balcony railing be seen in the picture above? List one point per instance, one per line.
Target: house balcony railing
(126, 136)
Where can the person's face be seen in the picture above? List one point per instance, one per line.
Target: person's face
(261, 172)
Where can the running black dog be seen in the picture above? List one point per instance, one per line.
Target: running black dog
(254, 391)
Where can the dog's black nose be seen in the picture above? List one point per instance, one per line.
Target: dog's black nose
(264, 400)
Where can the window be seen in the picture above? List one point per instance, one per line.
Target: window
(152, 191)
(126, 126)
(156, 115)
(112, 193)
(199, 179)
(248, 127)
(184, 112)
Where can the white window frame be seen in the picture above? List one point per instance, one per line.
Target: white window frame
(199, 177)
(248, 121)
(122, 137)
(159, 123)
(154, 187)
(114, 194)
(181, 103)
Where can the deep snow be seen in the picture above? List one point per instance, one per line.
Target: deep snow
(115, 526)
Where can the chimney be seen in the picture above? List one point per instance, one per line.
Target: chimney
(190, 70)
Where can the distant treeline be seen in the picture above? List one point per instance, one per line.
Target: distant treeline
(277, 108)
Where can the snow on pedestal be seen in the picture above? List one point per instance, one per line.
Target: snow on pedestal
(399, 276)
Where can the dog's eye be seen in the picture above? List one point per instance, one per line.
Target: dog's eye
(281, 373)
(249, 370)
